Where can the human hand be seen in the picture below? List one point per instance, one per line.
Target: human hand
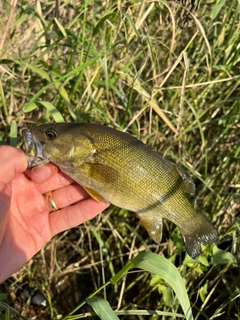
(25, 221)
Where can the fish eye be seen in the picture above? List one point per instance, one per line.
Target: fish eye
(51, 134)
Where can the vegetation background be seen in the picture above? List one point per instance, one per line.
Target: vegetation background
(165, 71)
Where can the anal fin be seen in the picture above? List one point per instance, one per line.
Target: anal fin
(153, 225)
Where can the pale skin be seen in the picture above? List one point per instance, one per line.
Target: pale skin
(26, 223)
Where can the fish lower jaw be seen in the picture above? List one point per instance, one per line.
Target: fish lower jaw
(36, 161)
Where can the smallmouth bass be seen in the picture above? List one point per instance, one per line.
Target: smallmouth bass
(114, 166)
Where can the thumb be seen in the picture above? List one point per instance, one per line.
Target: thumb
(12, 161)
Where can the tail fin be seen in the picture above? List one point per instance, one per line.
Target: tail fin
(202, 233)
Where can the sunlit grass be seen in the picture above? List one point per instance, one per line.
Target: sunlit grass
(167, 73)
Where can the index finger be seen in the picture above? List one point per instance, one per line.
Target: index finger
(48, 177)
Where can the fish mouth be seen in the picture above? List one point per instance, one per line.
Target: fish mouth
(34, 149)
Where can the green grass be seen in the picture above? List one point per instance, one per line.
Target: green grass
(167, 73)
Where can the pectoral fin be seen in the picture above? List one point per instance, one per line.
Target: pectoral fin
(96, 196)
(100, 172)
(153, 225)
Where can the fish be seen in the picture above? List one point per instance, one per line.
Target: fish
(115, 167)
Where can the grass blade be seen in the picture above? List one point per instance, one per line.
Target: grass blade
(53, 110)
(102, 308)
(166, 270)
(13, 134)
(57, 116)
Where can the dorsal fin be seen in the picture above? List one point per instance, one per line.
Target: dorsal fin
(187, 185)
